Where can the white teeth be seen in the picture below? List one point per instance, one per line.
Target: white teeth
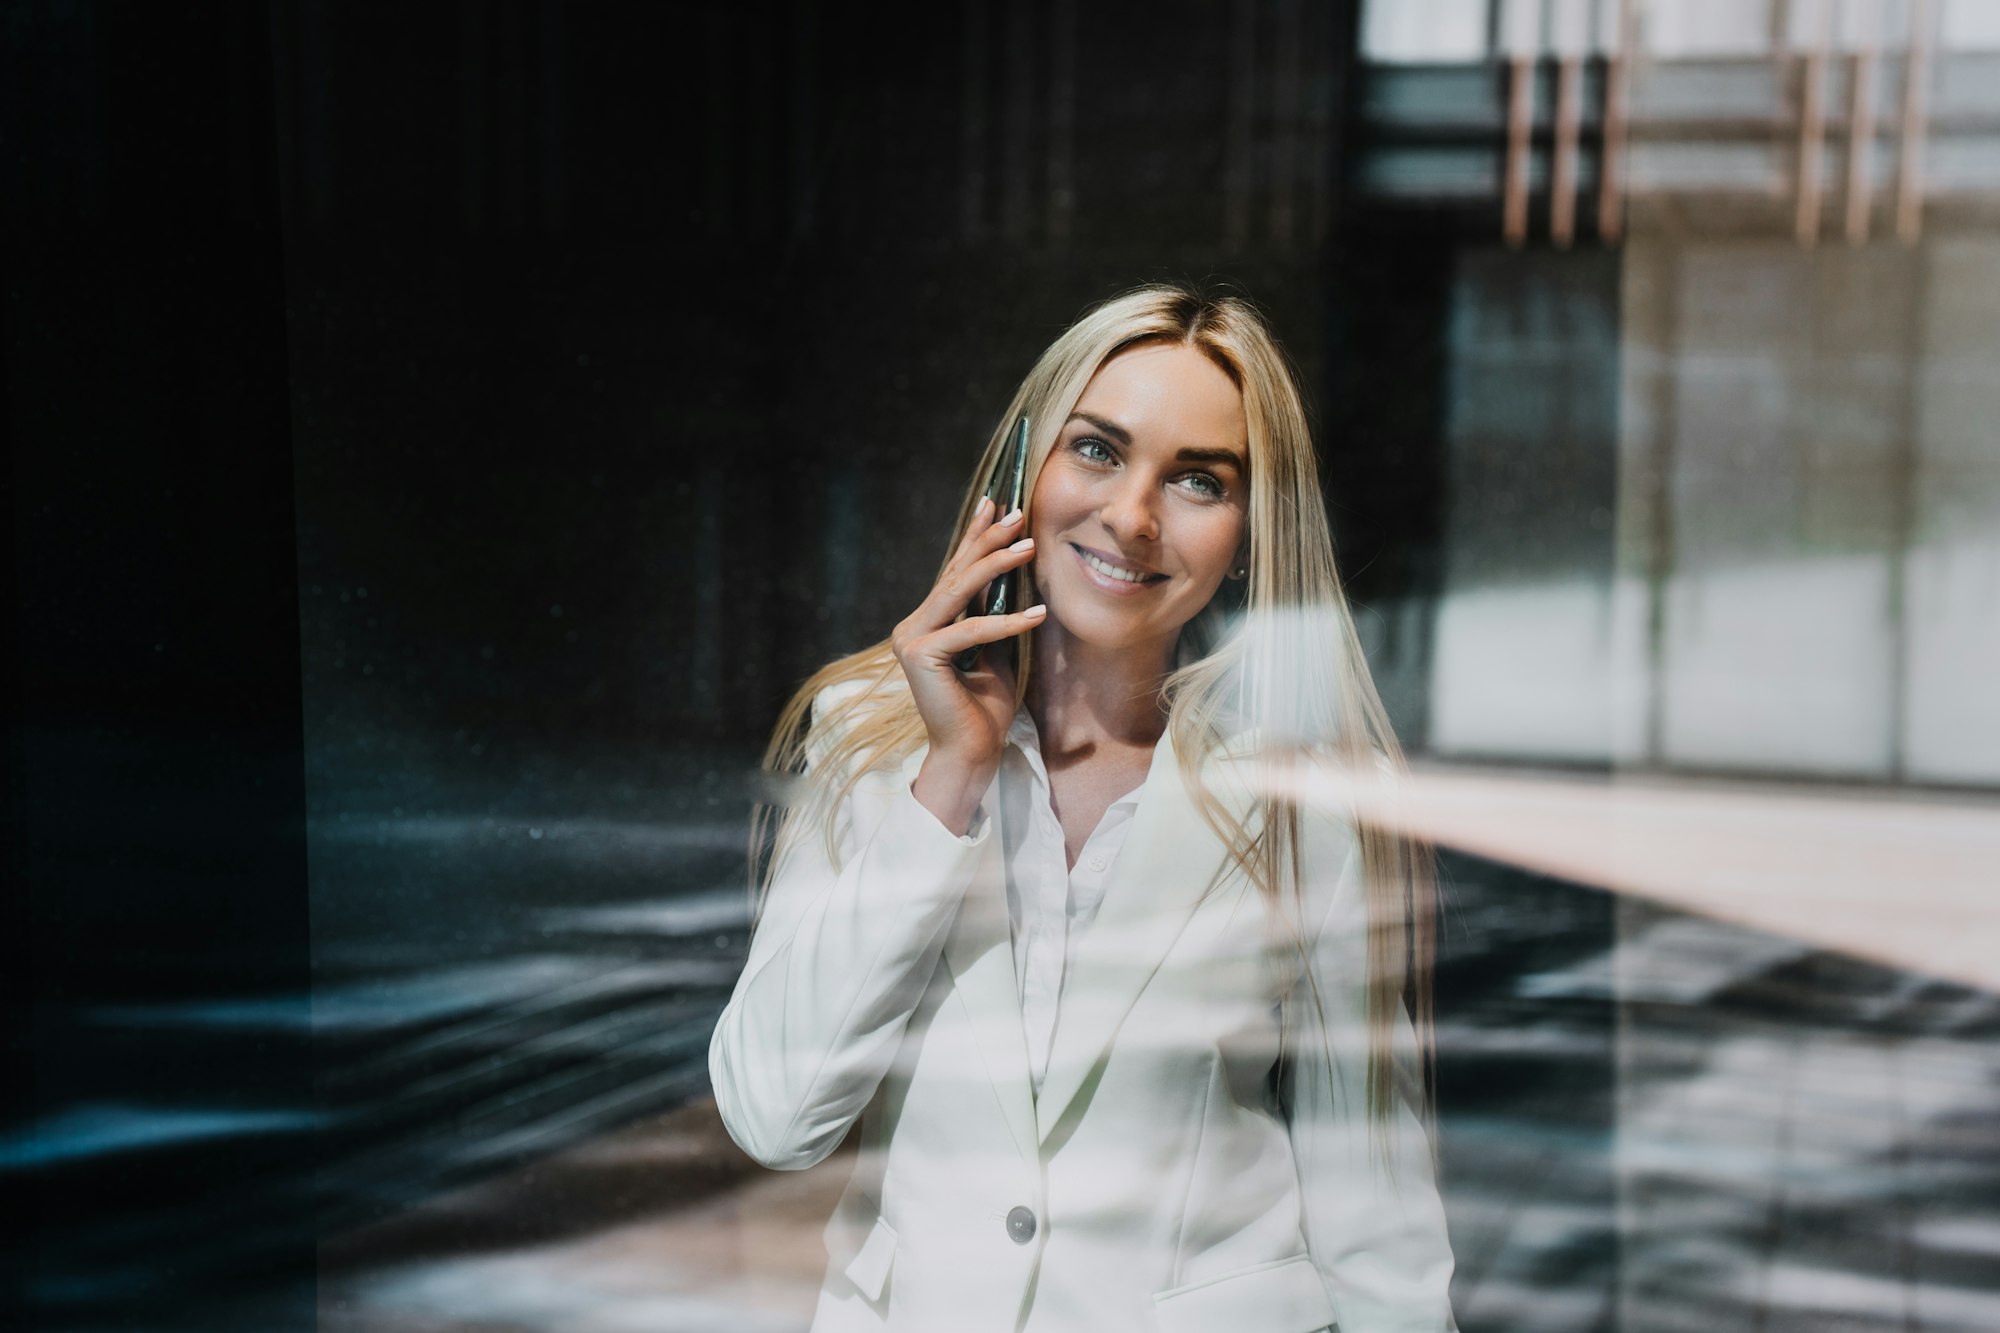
(1130, 576)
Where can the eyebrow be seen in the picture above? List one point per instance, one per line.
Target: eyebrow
(1117, 432)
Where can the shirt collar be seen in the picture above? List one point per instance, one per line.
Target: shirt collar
(1021, 732)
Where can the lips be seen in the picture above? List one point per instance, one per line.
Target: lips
(1114, 576)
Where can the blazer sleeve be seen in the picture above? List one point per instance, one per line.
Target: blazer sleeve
(1373, 1221)
(837, 965)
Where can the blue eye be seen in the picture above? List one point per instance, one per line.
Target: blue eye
(1205, 486)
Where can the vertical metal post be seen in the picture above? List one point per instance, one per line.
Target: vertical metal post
(1915, 127)
(1569, 37)
(1812, 131)
(1861, 126)
(1569, 117)
(1520, 122)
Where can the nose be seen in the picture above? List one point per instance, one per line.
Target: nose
(1129, 511)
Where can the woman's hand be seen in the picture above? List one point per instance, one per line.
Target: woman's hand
(966, 713)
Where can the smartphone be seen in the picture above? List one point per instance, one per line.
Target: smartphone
(1003, 488)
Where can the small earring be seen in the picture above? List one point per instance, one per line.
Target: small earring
(1241, 572)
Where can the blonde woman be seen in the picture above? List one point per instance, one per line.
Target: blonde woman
(1132, 1035)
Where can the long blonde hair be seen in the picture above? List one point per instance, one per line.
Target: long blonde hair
(1285, 669)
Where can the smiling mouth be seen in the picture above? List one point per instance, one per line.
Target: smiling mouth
(1124, 574)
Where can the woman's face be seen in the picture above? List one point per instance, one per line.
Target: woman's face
(1140, 509)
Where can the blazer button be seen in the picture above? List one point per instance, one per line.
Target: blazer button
(1021, 1226)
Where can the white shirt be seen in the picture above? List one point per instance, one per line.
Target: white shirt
(1049, 904)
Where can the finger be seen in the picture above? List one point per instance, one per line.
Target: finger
(979, 526)
(980, 523)
(959, 586)
(1003, 529)
(944, 644)
(985, 534)
(962, 582)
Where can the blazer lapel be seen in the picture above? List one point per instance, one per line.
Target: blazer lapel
(980, 953)
(1170, 859)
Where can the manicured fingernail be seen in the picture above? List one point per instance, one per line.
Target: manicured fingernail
(1040, 609)
(1014, 517)
(1023, 544)
(985, 503)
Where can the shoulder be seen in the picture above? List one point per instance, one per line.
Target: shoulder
(843, 707)
(849, 703)
(836, 697)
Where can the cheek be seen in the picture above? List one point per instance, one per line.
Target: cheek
(1048, 539)
(1046, 526)
(1214, 551)
(1055, 482)
(1054, 507)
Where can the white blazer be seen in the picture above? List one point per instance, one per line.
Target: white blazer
(1156, 1184)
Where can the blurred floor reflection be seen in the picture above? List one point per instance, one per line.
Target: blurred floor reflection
(1805, 1141)
(663, 1225)
(1794, 1139)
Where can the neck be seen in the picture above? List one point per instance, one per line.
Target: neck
(1080, 695)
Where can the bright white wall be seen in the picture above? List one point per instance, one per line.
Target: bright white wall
(1418, 32)
(1951, 579)
(1455, 31)
(1780, 666)
(1820, 484)
(1524, 671)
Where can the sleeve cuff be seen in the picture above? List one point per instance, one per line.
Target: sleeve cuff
(982, 825)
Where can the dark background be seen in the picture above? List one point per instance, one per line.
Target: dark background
(431, 418)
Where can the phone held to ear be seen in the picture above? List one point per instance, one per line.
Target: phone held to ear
(1003, 488)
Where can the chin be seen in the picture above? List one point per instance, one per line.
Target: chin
(1104, 628)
